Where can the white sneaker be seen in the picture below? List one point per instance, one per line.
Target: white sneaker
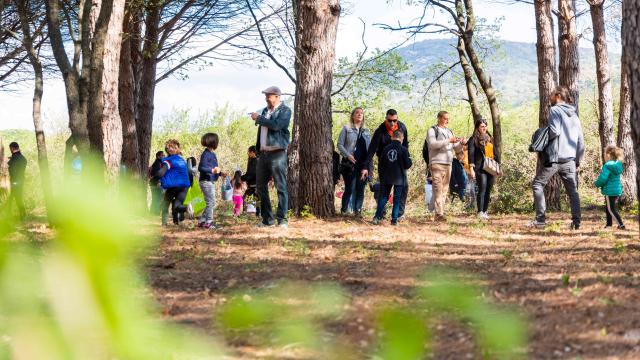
(485, 215)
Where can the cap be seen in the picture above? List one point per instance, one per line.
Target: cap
(272, 90)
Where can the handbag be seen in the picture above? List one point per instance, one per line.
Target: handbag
(195, 200)
(491, 166)
(226, 190)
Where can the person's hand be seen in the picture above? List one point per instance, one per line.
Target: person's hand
(363, 174)
(254, 116)
(453, 140)
(463, 141)
(351, 158)
(216, 170)
(473, 174)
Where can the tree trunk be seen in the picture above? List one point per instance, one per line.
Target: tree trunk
(293, 168)
(547, 79)
(569, 67)
(482, 76)
(127, 99)
(4, 174)
(631, 42)
(468, 80)
(316, 30)
(605, 96)
(144, 119)
(624, 139)
(43, 163)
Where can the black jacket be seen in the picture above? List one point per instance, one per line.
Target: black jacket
(17, 167)
(250, 176)
(154, 179)
(393, 165)
(476, 154)
(380, 140)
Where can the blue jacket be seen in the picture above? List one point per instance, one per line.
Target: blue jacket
(278, 125)
(208, 161)
(609, 179)
(177, 175)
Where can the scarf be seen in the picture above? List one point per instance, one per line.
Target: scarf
(392, 129)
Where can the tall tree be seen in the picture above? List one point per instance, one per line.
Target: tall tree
(624, 139)
(631, 41)
(468, 80)
(25, 13)
(316, 31)
(569, 65)
(605, 94)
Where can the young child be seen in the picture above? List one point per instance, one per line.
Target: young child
(209, 173)
(610, 185)
(249, 177)
(392, 169)
(154, 184)
(238, 192)
(174, 179)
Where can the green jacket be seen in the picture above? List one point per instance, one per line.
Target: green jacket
(609, 179)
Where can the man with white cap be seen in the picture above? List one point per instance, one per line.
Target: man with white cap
(271, 145)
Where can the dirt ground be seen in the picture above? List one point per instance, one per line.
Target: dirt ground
(592, 312)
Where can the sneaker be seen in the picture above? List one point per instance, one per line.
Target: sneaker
(283, 225)
(200, 224)
(375, 221)
(440, 218)
(537, 224)
(263, 225)
(485, 215)
(208, 225)
(574, 226)
(394, 223)
(481, 215)
(622, 227)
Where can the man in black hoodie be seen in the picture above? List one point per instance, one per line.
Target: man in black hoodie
(17, 167)
(250, 177)
(392, 170)
(381, 138)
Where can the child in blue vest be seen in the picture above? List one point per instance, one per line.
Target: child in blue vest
(174, 178)
(610, 185)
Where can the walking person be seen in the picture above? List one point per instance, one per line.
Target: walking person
(381, 138)
(17, 168)
(392, 169)
(353, 143)
(481, 147)
(441, 145)
(249, 177)
(565, 135)
(610, 185)
(154, 184)
(239, 188)
(209, 174)
(174, 178)
(272, 143)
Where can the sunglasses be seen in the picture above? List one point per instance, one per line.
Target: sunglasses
(392, 121)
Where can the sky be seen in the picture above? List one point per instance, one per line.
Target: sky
(239, 86)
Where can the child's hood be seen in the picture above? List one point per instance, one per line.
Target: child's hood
(615, 167)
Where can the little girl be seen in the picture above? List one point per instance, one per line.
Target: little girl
(209, 173)
(609, 182)
(174, 178)
(238, 192)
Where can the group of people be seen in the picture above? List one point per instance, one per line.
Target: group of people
(171, 175)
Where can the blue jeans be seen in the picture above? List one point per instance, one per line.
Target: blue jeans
(209, 193)
(353, 196)
(385, 190)
(272, 165)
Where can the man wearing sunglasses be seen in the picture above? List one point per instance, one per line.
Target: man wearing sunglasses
(381, 138)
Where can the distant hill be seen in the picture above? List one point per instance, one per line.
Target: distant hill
(512, 67)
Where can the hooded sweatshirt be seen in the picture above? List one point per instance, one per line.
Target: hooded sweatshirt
(609, 179)
(564, 124)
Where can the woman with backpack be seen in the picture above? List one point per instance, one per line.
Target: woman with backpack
(480, 149)
(353, 144)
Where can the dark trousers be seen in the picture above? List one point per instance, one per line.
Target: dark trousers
(569, 178)
(272, 165)
(352, 181)
(251, 191)
(385, 191)
(611, 209)
(174, 197)
(17, 195)
(156, 199)
(403, 198)
(485, 183)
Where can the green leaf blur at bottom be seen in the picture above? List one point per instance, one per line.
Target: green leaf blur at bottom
(404, 335)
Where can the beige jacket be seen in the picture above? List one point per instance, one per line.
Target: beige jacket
(441, 151)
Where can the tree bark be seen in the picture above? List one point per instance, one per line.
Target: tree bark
(569, 66)
(468, 80)
(316, 30)
(127, 97)
(36, 64)
(293, 168)
(144, 119)
(4, 173)
(605, 96)
(624, 140)
(482, 76)
(631, 42)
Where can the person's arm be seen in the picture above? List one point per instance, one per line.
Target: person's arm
(602, 179)
(458, 148)
(580, 149)
(373, 147)
(214, 164)
(555, 123)
(276, 123)
(341, 140)
(405, 142)
(435, 144)
(407, 159)
(205, 164)
(166, 165)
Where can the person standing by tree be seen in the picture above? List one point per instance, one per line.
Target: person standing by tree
(250, 177)
(481, 147)
(272, 142)
(565, 132)
(441, 144)
(351, 137)
(17, 168)
(382, 138)
(154, 184)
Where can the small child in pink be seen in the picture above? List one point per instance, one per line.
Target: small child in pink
(239, 188)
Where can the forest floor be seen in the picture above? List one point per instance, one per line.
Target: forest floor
(578, 290)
